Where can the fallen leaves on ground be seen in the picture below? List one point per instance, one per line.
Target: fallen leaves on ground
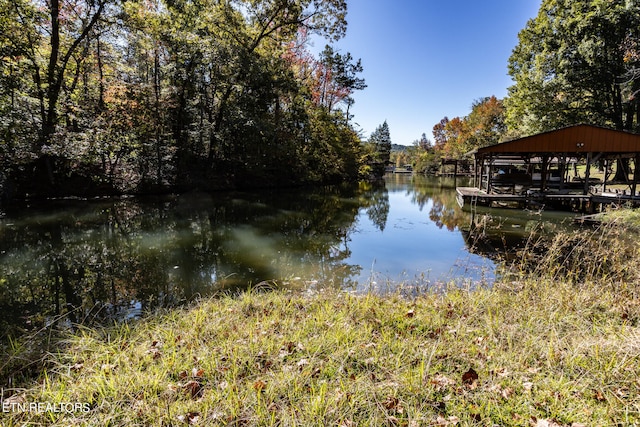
(191, 418)
(469, 377)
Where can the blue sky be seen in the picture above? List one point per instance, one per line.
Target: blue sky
(427, 59)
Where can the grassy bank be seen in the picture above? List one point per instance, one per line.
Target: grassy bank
(628, 218)
(545, 348)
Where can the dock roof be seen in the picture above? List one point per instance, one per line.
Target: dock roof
(578, 139)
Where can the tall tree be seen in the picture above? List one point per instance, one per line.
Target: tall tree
(51, 37)
(423, 143)
(380, 141)
(569, 64)
(450, 137)
(337, 78)
(485, 123)
(260, 24)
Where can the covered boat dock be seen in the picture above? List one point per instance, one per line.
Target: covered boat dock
(581, 167)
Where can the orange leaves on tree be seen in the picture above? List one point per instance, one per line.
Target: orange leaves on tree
(483, 126)
(330, 79)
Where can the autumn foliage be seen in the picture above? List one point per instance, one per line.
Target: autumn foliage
(483, 126)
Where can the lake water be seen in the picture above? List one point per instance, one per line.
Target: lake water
(94, 260)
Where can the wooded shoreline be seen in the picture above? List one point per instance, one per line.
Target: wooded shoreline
(105, 98)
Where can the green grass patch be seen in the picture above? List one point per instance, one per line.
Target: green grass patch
(628, 218)
(544, 352)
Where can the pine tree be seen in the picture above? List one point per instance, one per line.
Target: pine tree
(380, 139)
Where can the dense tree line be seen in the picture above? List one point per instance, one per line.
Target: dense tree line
(482, 127)
(453, 138)
(103, 96)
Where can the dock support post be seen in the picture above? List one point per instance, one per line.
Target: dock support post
(489, 175)
(482, 169)
(475, 172)
(636, 172)
(606, 175)
(545, 168)
(562, 168)
(587, 172)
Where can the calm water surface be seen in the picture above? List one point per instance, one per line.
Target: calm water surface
(418, 241)
(92, 260)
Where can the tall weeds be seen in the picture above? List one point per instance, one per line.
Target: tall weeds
(607, 253)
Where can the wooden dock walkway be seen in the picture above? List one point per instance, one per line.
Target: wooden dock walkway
(468, 196)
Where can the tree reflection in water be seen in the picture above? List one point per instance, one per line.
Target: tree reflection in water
(497, 234)
(100, 260)
(440, 194)
(92, 261)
